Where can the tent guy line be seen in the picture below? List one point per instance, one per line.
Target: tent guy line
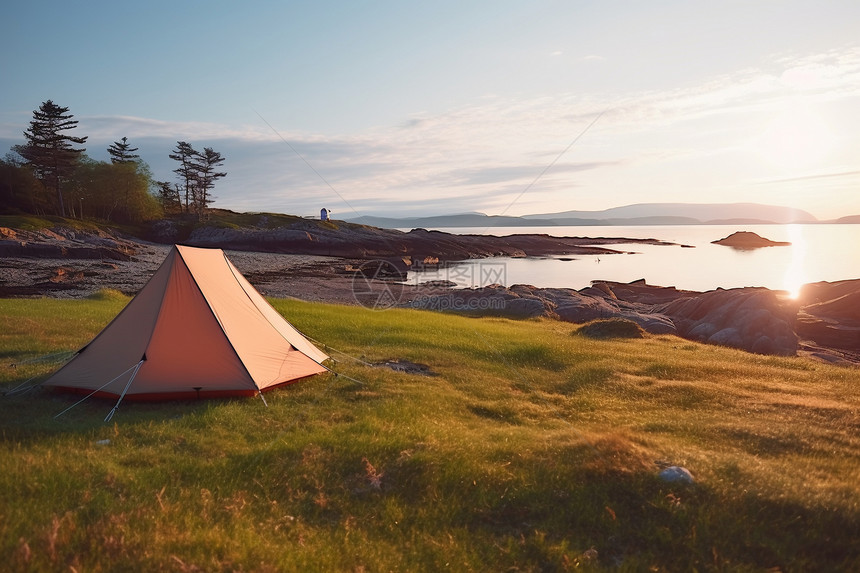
(127, 386)
(91, 394)
(306, 162)
(553, 162)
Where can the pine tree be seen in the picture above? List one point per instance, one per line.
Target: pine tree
(48, 151)
(122, 152)
(169, 197)
(206, 176)
(185, 154)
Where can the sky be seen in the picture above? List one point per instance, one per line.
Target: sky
(401, 108)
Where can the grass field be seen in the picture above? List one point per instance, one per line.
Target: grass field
(532, 449)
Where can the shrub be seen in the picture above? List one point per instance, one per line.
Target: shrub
(611, 328)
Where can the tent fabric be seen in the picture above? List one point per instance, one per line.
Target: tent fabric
(201, 329)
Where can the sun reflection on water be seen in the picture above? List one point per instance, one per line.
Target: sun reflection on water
(795, 273)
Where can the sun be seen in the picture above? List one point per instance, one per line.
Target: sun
(795, 137)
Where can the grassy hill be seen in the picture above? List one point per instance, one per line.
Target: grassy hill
(218, 218)
(532, 449)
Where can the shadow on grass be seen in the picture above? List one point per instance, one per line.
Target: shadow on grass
(37, 415)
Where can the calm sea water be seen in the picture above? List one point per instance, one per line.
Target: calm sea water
(817, 253)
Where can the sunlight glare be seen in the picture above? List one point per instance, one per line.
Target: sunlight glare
(796, 137)
(795, 273)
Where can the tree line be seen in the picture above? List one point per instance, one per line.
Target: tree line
(50, 174)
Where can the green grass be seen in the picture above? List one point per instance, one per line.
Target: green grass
(35, 223)
(261, 220)
(532, 450)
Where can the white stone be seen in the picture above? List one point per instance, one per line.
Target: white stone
(676, 474)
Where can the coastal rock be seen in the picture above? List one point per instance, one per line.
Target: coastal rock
(829, 332)
(747, 240)
(751, 319)
(637, 291)
(824, 291)
(164, 231)
(350, 240)
(830, 314)
(524, 308)
(527, 301)
(64, 243)
(568, 304)
(651, 322)
(578, 308)
(843, 307)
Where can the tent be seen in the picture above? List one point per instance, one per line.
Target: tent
(196, 329)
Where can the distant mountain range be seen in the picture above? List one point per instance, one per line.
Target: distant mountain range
(641, 214)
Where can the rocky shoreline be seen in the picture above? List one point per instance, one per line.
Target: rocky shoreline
(349, 240)
(823, 322)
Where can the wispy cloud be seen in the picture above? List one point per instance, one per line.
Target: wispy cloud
(812, 177)
(110, 128)
(481, 156)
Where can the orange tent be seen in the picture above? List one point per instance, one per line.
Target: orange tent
(196, 329)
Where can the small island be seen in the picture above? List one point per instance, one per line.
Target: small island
(747, 240)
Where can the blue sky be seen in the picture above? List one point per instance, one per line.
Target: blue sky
(410, 108)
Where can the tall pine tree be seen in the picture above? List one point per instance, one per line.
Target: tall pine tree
(205, 164)
(185, 154)
(122, 152)
(49, 151)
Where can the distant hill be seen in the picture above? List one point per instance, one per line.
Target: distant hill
(642, 214)
(460, 220)
(704, 213)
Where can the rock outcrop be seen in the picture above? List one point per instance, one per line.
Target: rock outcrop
(348, 240)
(753, 319)
(64, 243)
(829, 315)
(747, 240)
